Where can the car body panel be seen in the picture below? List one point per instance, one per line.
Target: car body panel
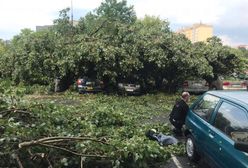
(223, 152)
(129, 88)
(201, 85)
(234, 85)
(212, 143)
(195, 86)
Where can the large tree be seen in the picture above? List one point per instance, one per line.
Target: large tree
(107, 42)
(110, 44)
(221, 58)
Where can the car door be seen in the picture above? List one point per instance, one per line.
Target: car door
(198, 121)
(229, 119)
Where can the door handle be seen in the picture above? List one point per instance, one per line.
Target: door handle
(210, 134)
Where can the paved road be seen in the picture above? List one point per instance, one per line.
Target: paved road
(176, 161)
(183, 162)
(179, 162)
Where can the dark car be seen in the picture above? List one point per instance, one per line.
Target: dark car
(86, 85)
(217, 129)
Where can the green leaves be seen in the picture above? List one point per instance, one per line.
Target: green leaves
(119, 122)
(114, 10)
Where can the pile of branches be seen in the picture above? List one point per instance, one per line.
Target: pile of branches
(58, 143)
(19, 152)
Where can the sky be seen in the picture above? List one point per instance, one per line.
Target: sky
(229, 18)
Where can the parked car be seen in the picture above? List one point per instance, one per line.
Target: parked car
(217, 129)
(234, 82)
(195, 86)
(235, 85)
(129, 88)
(85, 85)
(201, 85)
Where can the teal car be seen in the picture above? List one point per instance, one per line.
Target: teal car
(217, 129)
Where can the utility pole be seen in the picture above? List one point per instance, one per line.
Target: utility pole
(71, 13)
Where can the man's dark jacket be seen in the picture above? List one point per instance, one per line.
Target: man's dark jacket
(179, 111)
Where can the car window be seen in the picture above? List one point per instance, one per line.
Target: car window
(233, 121)
(206, 106)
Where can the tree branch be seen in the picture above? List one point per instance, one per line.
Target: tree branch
(19, 161)
(7, 112)
(57, 139)
(53, 142)
(72, 152)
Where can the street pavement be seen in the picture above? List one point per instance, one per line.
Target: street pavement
(183, 162)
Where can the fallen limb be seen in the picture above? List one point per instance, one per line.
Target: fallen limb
(19, 161)
(4, 113)
(53, 142)
(49, 140)
(73, 152)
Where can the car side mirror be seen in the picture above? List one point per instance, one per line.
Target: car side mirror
(242, 146)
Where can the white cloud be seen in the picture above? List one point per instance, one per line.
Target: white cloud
(224, 15)
(19, 14)
(227, 40)
(29, 13)
(16, 14)
(235, 15)
(89, 4)
(181, 11)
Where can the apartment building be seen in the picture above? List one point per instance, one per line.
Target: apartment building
(197, 32)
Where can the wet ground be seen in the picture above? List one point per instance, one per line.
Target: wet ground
(183, 162)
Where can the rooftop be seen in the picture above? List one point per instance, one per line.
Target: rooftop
(194, 26)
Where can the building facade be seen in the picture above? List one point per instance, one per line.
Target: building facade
(197, 32)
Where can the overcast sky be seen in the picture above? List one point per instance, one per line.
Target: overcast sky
(228, 17)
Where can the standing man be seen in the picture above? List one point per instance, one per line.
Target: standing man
(179, 112)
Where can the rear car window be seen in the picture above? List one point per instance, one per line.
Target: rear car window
(205, 107)
(233, 121)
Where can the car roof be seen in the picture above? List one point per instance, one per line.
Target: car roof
(234, 96)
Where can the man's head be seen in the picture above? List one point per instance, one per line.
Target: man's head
(185, 96)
